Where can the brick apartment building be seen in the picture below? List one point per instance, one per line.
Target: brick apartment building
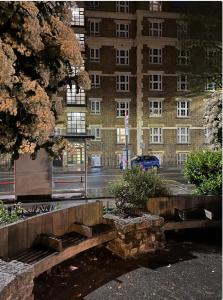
(137, 68)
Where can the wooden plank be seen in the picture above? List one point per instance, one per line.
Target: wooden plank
(50, 242)
(4, 241)
(191, 224)
(17, 238)
(60, 221)
(56, 258)
(34, 228)
(82, 229)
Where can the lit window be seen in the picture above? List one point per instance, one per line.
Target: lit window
(81, 39)
(183, 57)
(75, 96)
(155, 82)
(74, 70)
(182, 29)
(94, 27)
(155, 56)
(122, 30)
(155, 28)
(182, 82)
(122, 108)
(94, 54)
(155, 6)
(182, 109)
(122, 83)
(96, 160)
(76, 122)
(121, 137)
(95, 106)
(96, 132)
(156, 135)
(77, 16)
(95, 81)
(182, 135)
(93, 4)
(122, 6)
(122, 57)
(58, 131)
(155, 108)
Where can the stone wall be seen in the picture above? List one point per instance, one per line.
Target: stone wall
(16, 281)
(136, 235)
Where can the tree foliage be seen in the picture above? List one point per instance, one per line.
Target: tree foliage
(37, 50)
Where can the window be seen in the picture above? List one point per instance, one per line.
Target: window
(74, 96)
(210, 85)
(182, 135)
(122, 83)
(211, 55)
(122, 108)
(77, 16)
(81, 39)
(182, 109)
(183, 57)
(182, 83)
(122, 57)
(155, 6)
(93, 4)
(94, 54)
(76, 122)
(155, 28)
(94, 27)
(58, 131)
(181, 158)
(122, 6)
(74, 70)
(96, 160)
(122, 30)
(121, 136)
(155, 108)
(155, 82)
(155, 56)
(95, 80)
(207, 135)
(96, 132)
(95, 107)
(182, 29)
(156, 135)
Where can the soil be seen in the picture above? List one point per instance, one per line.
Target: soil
(79, 276)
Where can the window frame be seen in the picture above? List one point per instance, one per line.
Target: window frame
(152, 108)
(181, 110)
(95, 80)
(94, 27)
(93, 4)
(183, 59)
(95, 54)
(95, 105)
(72, 98)
(120, 83)
(122, 7)
(153, 31)
(78, 127)
(120, 57)
(154, 135)
(155, 6)
(182, 83)
(121, 111)
(78, 16)
(96, 131)
(181, 161)
(121, 136)
(180, 135)
(153, 82)
(81, 40)
(153, 57)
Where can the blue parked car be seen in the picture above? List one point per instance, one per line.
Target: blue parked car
(146, 162)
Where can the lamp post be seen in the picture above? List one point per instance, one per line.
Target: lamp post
(126, 138)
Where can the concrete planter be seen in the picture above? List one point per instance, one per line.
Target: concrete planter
(136, 235)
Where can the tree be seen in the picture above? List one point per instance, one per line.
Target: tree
(213, 116)
(201, 36)
(37, 52)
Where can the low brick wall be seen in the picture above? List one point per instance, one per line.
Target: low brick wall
(136, 235)
(16, 281)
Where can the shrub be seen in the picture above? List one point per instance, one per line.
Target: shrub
(136, 187)
(10, 214)
(203, 169)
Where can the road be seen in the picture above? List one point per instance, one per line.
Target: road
(97, 181)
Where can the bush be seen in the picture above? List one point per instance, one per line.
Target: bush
(203, 168)
(136, 187)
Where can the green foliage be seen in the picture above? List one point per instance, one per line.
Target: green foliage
(204, 169)
(136, 187)
(10, 214)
